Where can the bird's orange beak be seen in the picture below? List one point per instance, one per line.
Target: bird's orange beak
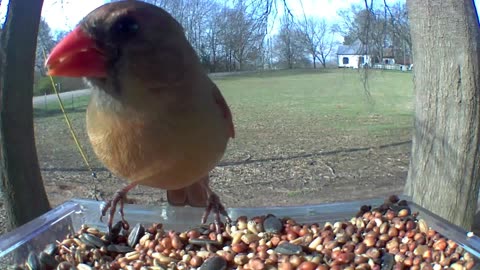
(76, 56)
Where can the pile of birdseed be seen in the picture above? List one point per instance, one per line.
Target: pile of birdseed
(383, 238)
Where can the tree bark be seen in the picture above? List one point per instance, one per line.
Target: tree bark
(21, 181)
(444, 166)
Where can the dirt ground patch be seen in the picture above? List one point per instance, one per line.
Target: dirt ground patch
(300, 178)
(297, 180)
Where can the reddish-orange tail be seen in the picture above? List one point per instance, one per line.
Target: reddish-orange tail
(194, 195)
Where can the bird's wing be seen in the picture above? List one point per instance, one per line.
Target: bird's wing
(227, 114)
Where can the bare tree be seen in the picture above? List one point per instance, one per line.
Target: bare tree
(351, 25)
(284, 44)
(268, 53)
(444, 166)
(177, 8)
(289, 48)
(227, 35)
(368, 25)
(317, 38)
(45, 43)
(21, 181)
(59, 35)
(399, 28)
(242, 33)
(212, 39)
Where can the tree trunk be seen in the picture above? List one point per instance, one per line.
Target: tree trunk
(323, 60)
(444, 166)
(22, 186)
(214, 61)
(314, 62)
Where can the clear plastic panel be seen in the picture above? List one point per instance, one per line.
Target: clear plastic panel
(68, 217)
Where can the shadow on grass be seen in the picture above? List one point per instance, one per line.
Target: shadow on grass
(250, 161)
(318, 154)
(43, 113)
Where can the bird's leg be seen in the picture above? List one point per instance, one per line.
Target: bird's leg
(214, 205)
(119, 197)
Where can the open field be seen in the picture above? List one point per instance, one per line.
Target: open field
(302, 137)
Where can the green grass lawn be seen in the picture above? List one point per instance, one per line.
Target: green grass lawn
(44, 109)
(334, 98)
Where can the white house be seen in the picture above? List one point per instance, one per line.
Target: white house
(353, 56)
(388, 56)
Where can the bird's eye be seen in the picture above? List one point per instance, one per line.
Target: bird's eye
(125, 26)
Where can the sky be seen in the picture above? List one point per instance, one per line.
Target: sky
(65, 14)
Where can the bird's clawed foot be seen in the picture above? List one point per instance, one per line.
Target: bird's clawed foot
(214, 205)
(118, 198)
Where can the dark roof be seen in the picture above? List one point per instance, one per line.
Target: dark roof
(356, 48)
(388, 53)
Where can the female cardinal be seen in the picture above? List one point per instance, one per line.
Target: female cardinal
(155, 117)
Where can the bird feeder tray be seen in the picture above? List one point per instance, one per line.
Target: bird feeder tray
(68, 218)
